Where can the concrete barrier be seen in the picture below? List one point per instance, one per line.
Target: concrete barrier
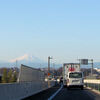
(30, 81)
(18, 91)
(29, 74)
(95, 81)
(93, 84)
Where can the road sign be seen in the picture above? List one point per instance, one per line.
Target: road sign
(49, 74)
(84, 61)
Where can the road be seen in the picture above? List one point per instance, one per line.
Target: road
(76, 94)
(44, 95)
(64, 94)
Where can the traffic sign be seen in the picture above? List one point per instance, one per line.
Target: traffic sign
(84, 61)
(49, 74)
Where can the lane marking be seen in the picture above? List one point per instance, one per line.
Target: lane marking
(56, 93)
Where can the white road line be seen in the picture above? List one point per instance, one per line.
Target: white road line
(55, 93)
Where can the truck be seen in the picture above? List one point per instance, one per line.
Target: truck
(72, 75)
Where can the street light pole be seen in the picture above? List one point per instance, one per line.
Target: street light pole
(49, 70)
(49, 64)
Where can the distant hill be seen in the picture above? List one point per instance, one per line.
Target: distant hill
(28, 60)
(36, 62)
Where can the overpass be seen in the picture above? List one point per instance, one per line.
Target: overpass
(31, 86)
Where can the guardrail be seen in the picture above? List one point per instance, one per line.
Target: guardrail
(93, 84)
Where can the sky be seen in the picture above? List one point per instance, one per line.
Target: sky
(67, 30)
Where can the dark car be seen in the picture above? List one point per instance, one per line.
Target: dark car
(61, 80)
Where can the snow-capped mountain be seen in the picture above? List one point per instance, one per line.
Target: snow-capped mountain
(27, 58)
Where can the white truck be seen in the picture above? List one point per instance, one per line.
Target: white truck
(72, 76)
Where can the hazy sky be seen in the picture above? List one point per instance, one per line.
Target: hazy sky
(64, 29)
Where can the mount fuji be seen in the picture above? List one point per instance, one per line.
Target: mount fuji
(28, 60)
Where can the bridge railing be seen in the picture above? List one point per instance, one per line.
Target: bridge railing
(93, 84)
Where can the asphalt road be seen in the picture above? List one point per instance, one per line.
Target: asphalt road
(64, 94)
(76, 94)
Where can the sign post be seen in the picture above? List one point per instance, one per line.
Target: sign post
(85, 62)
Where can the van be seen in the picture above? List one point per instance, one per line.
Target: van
(75, 79)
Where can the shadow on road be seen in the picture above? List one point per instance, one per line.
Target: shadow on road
(44, 95)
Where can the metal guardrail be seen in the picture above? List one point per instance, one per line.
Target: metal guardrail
(93, 84)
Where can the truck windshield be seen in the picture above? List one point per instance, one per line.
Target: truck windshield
(75, 75)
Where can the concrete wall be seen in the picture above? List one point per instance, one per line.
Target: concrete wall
(29, 74)
(30, 82)
(17, 91)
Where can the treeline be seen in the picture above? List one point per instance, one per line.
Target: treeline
(9, 75)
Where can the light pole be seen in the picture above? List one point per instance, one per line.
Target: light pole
(49, 70)
(49, 65)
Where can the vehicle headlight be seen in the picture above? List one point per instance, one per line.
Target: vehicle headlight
(46, 79)
(58, 80)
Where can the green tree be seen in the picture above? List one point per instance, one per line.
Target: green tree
(4, 77)
(14, 77)
(10, 76)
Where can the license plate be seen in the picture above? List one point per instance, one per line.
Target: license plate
(75, 81)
